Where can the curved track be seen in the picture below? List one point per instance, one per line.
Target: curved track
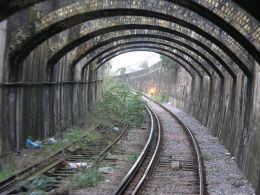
(156, 172)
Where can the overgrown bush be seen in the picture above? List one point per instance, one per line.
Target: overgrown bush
(118, 106)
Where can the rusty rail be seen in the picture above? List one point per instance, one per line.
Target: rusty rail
(12, 183)
(134, 169)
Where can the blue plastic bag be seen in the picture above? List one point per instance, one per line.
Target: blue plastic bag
(30, 143)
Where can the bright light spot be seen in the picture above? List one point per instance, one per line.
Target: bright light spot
(152, 91)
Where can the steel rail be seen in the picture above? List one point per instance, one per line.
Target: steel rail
(55, 163)
(153, 157)
(131, 173)
(194, 142)
(16, 177)
(104, 152)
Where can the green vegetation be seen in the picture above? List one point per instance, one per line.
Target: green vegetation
(144, 65)
(163, 98)
(121, 70)
(212, 170)
(72, 136)
(170, 156)
(6, 171)
(86, 178)
(91, 135)
(38, 184)
(102, 164)
(132, 157)
(205, 157)
(117, 106)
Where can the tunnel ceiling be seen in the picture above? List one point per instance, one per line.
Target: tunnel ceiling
(206, 36)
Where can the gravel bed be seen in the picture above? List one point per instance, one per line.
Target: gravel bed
(222, 173)
(175, 147)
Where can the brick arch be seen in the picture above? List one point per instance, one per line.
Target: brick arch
(196, 64)
(116, 40)
(207, 11)
(53, 29)
(153, 45)
(163, 32)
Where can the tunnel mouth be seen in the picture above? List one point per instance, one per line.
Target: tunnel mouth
(132, 61)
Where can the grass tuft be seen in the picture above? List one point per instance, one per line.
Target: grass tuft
(132, 157)
(205, 157)
(86, 178)
(6, 171)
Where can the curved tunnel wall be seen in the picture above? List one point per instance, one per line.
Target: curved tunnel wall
(51, 51)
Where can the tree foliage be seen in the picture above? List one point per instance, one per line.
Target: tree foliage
(121, 70)
(144, 65)
(118, 106)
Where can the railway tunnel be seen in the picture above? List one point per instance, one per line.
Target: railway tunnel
(52, 53)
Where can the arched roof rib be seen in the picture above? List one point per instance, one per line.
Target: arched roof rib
(225, 14)
(94, 56)
(57, 27)
(112, 41)
(157, 49)
(119, 23)
(198, 46)
(103, 57)
(113, 54)
(118, 41)
(196, 67)
(192, 72)
(251, 6)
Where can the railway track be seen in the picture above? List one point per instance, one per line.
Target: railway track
(53, 166)
(157, 172)
(154, 172)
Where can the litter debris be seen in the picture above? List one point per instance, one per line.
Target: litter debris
(33, 144)
(76, 165)
(52, 141)
(107, 170)
(228, 154)
(115, 128)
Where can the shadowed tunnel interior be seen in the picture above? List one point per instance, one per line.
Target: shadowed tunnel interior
(53, 51)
